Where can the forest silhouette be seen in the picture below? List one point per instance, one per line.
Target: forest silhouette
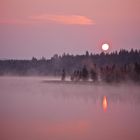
(108, 67)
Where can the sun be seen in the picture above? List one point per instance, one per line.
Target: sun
(105, 47)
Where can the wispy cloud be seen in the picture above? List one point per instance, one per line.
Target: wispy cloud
(58, 19)
(63, 19)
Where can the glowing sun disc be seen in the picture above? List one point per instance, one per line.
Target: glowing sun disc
(105, 47)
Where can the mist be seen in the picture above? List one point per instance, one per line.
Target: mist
(46, 108)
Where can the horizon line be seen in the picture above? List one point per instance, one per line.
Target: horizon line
(69, 54)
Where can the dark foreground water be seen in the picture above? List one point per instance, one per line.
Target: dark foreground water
(31, 109)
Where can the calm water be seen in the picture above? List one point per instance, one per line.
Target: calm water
(31, 109)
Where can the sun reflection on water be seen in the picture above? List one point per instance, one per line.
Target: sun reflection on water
(104, 103)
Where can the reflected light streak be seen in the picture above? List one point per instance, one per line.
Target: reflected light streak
(104, 103)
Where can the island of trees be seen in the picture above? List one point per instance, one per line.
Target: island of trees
(108, 67)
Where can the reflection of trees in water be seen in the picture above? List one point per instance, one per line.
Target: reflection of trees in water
(117, 93)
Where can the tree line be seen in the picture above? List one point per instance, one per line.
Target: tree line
(114, 66)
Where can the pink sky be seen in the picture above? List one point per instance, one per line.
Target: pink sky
(45, 27)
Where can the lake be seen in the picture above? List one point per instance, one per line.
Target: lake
(38, 108)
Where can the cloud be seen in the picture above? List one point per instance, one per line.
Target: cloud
(58, 19)
(62, 19)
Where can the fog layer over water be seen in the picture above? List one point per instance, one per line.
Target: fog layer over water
(31, 109)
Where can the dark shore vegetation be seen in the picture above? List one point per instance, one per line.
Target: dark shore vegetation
(109, 67)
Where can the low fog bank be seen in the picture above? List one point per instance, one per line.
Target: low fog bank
(123, 92)
(109, 67)
(53, 87)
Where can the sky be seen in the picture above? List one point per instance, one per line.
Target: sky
(45, 27)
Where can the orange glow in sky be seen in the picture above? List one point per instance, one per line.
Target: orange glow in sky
(104, 103)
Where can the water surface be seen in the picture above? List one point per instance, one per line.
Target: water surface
(31, 109)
